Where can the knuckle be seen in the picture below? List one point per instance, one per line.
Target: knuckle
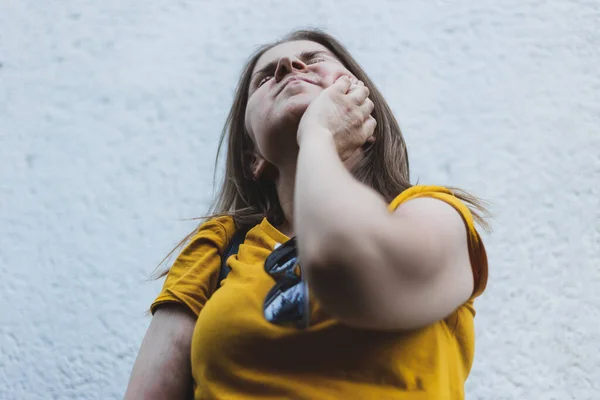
(356, 119)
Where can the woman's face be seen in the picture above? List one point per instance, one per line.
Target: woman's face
(285, 80)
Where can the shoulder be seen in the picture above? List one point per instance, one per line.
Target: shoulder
(212, 235)
(438, 216)
(441, 193)
(419, 191)
(218, 231)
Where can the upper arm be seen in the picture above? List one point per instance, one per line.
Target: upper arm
(426, 271)
(162, 369)
(194, 275)
(432, 239)
(407, 270)
(434, 252)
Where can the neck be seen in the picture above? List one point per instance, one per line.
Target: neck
(285, 184)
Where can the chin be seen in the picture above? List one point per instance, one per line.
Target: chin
(294, 107)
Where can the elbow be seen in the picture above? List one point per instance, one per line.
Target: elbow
(322, 250)
(342, 273)
(372, 298)
(343, 250)
(347, 301)
(357, 282)
(338, 293)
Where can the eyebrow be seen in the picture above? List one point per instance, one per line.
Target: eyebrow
(305, 55)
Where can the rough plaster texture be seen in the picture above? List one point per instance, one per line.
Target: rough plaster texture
(109, 117)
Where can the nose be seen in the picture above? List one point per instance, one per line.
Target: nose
(287, 65)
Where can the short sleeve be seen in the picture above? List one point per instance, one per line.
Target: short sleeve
(477, 252)
(194, 275)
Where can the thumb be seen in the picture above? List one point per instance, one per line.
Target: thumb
(342, 84)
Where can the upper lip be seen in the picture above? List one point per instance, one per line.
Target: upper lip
(293, 78)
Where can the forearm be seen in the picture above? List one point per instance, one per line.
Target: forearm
(337, 220)
(329, 202)
(162, 369)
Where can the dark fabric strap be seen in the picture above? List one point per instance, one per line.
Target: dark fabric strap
(232, 248)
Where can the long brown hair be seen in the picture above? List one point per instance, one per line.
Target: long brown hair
(383, 168)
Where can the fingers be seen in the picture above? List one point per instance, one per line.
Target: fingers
(369, 128)
(359, 92)
(342, 84)
(352, 86)
(367, 108)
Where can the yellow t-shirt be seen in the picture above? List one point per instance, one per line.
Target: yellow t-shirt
(237, 354)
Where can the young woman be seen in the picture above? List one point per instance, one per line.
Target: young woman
(373, 297)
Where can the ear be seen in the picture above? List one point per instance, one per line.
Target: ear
(261, 168)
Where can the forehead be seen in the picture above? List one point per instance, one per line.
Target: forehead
(289, 49)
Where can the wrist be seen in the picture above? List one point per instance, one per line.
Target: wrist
(314, 134)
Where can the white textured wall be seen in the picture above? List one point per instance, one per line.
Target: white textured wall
(109, 115)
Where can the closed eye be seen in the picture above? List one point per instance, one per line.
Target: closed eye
(314, 60)
(263, 80)
(267, 76)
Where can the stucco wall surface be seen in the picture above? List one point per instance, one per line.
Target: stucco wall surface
(110, 113)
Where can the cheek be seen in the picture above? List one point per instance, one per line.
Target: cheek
(331, 73)
(255, 115)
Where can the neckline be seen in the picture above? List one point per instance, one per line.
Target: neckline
(273, 232)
